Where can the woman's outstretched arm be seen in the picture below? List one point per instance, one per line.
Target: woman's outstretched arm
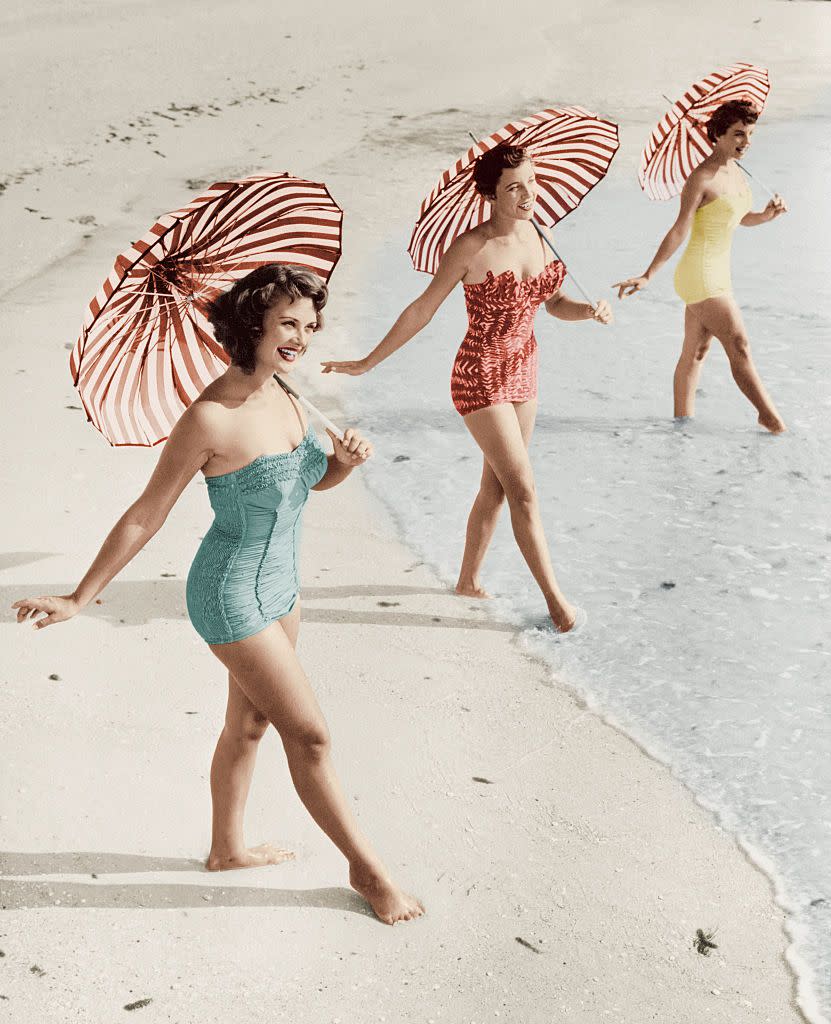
(691, 197)
(183, 454)
(453, 267)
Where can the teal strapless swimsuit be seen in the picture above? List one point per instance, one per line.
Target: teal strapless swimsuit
(244, 575)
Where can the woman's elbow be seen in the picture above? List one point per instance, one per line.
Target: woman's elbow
(678, 232)
(417, 315)
(148, 519)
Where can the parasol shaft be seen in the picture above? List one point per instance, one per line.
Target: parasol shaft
(757, 180)
(312, 409)
(577, 284)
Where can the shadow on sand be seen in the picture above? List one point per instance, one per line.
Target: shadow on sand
(140, 602)
(18, 894)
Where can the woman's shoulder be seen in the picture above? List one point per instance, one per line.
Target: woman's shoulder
(467, 245)
(700, 178)
(208, 414)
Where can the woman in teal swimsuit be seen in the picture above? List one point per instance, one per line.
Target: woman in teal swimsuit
(248, 437)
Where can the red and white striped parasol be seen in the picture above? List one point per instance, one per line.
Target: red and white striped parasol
(679, 143)
(146, 350)
(571, 149)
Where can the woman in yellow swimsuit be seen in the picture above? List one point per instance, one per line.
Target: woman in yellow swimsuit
(715, 200)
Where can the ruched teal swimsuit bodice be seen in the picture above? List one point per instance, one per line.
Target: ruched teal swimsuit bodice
(244, 575)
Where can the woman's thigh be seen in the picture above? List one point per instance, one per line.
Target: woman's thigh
(697, 336)
(266, 669)
(291, 623)
(498, 433)
(526, 413)
(723, 318)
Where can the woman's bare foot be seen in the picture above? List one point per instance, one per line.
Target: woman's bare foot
(255, 857)
(564, 616)
(471, 588)
(389, 902)
(770, 421)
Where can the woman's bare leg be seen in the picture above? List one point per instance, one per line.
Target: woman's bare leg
(688, 371)
(723, 318)
(484, 515)
(497, 432)
(266, 669)
(231, 771)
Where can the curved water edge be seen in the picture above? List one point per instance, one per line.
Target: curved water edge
(802, 974)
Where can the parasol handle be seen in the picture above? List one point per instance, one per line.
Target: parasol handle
(746, 171)
(312, 409)
(577, 284)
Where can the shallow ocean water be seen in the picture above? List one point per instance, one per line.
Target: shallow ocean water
(701, 550)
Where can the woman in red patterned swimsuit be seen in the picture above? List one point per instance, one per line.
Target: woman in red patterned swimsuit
(502, 266)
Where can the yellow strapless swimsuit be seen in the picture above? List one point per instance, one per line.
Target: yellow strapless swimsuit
(703, 272)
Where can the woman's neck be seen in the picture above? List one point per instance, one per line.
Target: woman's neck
(505, 227)
(248, 385)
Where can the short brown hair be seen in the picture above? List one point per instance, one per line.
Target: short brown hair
(489, 167)
(237, 315)
(729, 113)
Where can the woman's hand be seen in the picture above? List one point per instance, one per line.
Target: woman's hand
(352, 449)
(354, 367)
(602, 312)
(630, 285)
(54, 609)
(775, 207)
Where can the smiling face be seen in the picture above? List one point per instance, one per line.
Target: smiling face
(288, 327)
(516, 192)
(735, 141)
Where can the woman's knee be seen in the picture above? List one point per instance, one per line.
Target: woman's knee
(307, 740)
(702, 349)
(491, 493)
(738, 347)
(521, 493)
(248, 728)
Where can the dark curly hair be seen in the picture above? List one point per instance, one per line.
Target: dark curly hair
(729, 113)
(237, 315)
(489, 167)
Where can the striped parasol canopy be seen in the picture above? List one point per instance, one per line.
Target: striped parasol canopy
(146, 350)
(679, 143)
(571, 149)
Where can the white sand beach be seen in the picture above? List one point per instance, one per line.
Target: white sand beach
(564, 871)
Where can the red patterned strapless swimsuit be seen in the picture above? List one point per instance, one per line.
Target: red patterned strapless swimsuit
(497, 360)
